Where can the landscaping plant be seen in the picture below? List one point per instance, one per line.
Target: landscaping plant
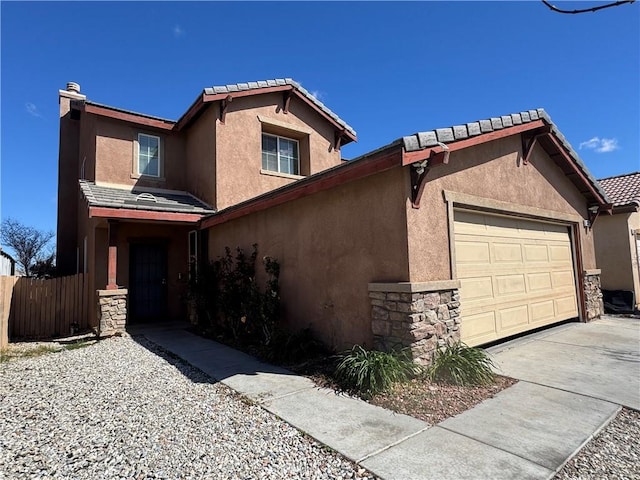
(369, 372)
(459, 364)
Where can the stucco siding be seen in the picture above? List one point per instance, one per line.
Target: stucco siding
(330, 245)
(493, 171)
(616, 251)
(239, 161)
(116, 156)
(201, 156)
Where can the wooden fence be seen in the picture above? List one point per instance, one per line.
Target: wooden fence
(34, 309)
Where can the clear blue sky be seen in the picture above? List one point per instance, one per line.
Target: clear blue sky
(388, 69)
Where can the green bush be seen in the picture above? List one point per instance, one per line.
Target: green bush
(459, 364)
(369, 372)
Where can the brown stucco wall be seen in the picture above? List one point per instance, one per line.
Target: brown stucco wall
(115, 154)
(616, 251)
(200, 150)
(239, 162)
(330, 245)
(493, 171)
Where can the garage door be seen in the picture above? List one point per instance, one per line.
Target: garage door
(515, 275)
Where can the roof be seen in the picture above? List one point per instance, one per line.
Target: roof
(7, 256)
(130, 112)
(447, 135)
(143, 199)
(623, 190)
(279, 82)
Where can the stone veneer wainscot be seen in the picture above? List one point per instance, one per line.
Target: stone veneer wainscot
(418, 316)
(592, 295)
(112, 311)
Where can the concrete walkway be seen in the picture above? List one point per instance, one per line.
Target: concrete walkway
(574, 379)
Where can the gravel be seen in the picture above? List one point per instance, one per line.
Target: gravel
(121, 409)
(613, 454)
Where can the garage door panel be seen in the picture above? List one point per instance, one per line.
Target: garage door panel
(521, 278)
(536, 253)
(565, 305)
(562, 278)
(477, 288)
(539, 281)
(510, 284)
(560, 253)
(513, 318)
(541, 311)
(472, 252)
(482, 325)
(507, 252)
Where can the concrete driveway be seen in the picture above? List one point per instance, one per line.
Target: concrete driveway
(600, 359)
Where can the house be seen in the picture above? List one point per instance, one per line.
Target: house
(477, 231)
(7, 264)
(617, 237)
(132, 188)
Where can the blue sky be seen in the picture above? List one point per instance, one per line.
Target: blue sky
(388, 69)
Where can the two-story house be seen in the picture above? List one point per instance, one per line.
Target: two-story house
(477, 231)
(133, 186)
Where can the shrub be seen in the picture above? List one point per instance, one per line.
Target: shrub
(369, 372)
(459, 364)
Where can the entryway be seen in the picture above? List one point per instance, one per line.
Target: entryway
(147, 281)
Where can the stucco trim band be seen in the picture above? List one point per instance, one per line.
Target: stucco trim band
(415, 287)
(498, 206)
(284, 125)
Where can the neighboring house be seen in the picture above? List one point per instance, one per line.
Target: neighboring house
(478, 231)
(617, 236)
(7, 264)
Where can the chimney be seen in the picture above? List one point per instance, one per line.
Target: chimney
(73, 87)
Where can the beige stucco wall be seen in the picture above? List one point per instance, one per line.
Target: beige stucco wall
(115, 151)
(616, 251)
(330, 245)
(200, 150)
(493, 171)
(239, 145)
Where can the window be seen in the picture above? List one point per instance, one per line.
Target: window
(280, 154)
(148, 155)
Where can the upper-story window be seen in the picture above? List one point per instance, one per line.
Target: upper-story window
(280, 154)
(148, 155)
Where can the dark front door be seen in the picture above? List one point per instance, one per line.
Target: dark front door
(148, 281)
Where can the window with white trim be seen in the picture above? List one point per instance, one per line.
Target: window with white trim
(280, 154)
(148, 155)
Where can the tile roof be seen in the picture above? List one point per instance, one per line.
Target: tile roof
(623, 189)
(143, 199)
(279, 82)
(422, 140)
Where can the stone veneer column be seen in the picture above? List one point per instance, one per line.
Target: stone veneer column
(419, 316)
(593, 295)
(112, 311)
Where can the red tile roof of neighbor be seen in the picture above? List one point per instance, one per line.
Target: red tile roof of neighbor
(623, 190)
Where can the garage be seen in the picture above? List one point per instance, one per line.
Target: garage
(515, 275)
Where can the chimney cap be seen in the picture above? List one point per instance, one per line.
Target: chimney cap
(73, 87)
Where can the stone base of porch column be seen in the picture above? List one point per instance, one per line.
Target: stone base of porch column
(112, 312)
(420, 316)
(593, 295)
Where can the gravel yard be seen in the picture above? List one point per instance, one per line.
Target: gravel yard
(614, 454)
(117, 410)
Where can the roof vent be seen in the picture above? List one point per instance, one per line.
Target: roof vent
(146, 197)
(73, 87)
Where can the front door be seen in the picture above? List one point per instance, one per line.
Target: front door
(148, 281)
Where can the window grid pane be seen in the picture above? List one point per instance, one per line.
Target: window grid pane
(148, 155)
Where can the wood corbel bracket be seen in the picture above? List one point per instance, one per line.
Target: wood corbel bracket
(419, 171)
(286, 100)
(529, 141)
(224, 105)
(595, 212)
(338, 139)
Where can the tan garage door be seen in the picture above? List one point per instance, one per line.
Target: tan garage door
(515, 275)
